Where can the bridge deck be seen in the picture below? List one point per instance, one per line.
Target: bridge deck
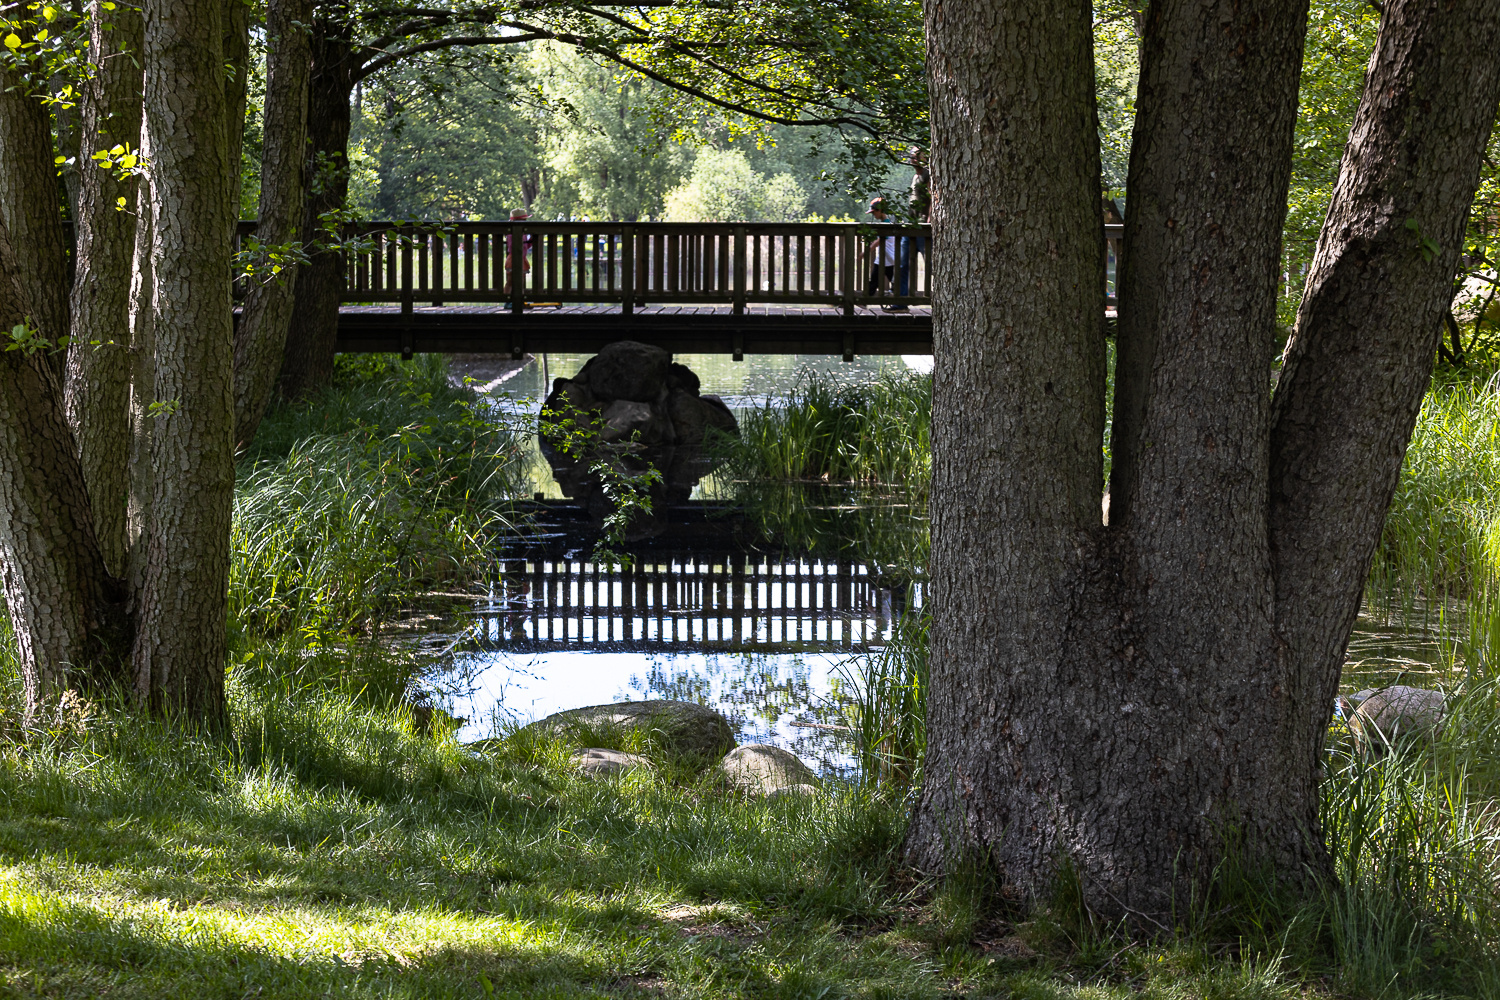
(695, 328)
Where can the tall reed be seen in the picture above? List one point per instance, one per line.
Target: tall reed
(827, 431)
(365, 498)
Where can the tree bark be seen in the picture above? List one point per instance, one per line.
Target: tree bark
(1360, 359)
(236, 94)
(1018, 412)
(1141, 700)
(97, 381)
(260, 340)
(68, 614)
(30, 208)
(312, 338)
(1108, 698)
(181, 646)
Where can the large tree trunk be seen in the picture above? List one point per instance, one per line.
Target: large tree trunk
(260, 340)
(97, 386)
(1135, 699)
(68, 614)
(181, 646)
(1018, 416)
(30, 208)
(313, 336)
(1107, 697)
(1360, 360)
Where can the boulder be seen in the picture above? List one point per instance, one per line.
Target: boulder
(758, 769)
(680, 728)
(1390, 712)
(597, 763)
(633, 411)
(627, 369)
(638, 422)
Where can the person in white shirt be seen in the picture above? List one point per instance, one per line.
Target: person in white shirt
(881, 253)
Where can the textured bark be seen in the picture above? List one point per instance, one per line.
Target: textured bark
(313, 336)
(260, 340)
(142, 382)
(1360, 360)
(71, 631)
(1111, 697)
(1140, 698)
(97, 383)
(180, 650)
(30, 209)
(1018, 411)
(236, 93)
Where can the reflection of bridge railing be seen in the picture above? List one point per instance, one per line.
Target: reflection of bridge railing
(667, 602)
(735, 264)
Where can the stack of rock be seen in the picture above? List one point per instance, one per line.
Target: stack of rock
(640, 410)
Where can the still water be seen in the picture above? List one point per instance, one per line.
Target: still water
(777, 641)
(774, 640)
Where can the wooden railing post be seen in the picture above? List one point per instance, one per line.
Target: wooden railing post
(846, 267)
(739, 270)
(627, 269)
(517, 252)
(406, 236)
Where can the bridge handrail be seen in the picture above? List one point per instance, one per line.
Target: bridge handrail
(738, 264)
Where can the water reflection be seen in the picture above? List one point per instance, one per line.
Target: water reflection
(765, 639)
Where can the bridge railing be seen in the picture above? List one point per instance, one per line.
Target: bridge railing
(633, 264)
(735, 264)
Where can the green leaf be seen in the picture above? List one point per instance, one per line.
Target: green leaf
(13, 41)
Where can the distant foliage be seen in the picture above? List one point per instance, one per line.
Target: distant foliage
(724, 187)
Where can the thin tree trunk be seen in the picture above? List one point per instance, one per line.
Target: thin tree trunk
(68, 614)
(181, 646)
(1360, 359)
(97, 383)
(312, 339)
(142, 382)
(30, 208)
(260, 340)
(236, 94)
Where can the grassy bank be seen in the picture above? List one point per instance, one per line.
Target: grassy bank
(342, 843)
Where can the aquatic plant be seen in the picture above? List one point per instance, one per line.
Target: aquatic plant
(378, 491)
(872, 433)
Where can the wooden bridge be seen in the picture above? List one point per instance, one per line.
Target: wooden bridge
(732, 288)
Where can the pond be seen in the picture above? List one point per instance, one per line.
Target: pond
(775, 637)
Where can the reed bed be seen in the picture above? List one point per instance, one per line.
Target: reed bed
(380, 491)
(875, 434)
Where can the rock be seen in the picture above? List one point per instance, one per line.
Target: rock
(597, 763)
(1390, 712)
(692, 416)
(791, 792)
(627, 369)
(682, 377)
(638, 422)
(633, 410)
(679, 727)
(758, 769)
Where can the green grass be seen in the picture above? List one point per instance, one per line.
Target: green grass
(340, 842)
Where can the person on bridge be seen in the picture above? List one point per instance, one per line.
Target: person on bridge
(921, 207)
(516, 214)
(883, 251)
